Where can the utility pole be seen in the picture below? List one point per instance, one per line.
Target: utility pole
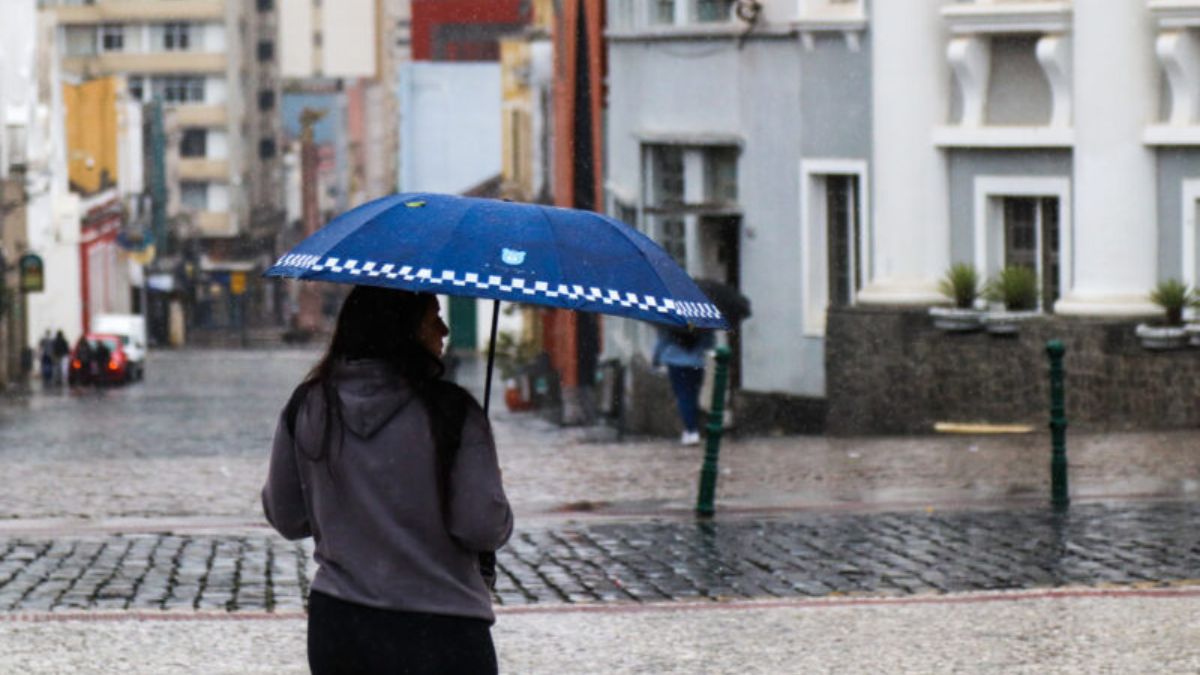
(309, 318)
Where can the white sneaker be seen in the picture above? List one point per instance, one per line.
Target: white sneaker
(690, 438)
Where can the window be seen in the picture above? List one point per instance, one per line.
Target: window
(627, 214)
(266, 50)
(265, 5)
(137, 87)
(663, 12)
(835, 247)
(179, 89)
(266, 148)
(194, 143)
(844, 231)
(1031, 241)
(193, 195)
(80, 40)
(710, 11)
(112, 37)
(668, 175)
(176, 37)
(720, 175)
(266, 100)
(673, 238)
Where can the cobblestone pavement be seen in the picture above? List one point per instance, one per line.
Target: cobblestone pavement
(797, 556)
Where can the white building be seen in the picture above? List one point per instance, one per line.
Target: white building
(840, 152)
(31, 95)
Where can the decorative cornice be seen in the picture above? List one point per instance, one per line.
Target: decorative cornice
(1016, 17)
(1164, 135)
(1004, 137)
(1176, 13)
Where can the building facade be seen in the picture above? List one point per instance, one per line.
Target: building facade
(825, 154)
(212, 64)
(738, 137)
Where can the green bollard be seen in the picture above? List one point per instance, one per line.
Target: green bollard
(716, 426)
(1058, 426)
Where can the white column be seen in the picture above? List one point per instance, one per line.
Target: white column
(1116, 220)
(909, 86)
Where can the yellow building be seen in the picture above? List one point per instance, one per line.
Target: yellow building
(91, 131)
(525, 86)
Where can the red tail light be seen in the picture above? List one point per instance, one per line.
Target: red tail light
(113, 365)
(76, 364)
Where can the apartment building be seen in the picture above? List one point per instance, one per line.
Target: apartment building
(213, 65)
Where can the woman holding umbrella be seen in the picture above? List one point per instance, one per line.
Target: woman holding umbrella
(393, 472)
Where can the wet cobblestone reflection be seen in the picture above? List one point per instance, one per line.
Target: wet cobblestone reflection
(799, 556)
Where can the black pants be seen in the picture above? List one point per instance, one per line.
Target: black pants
(345, 637)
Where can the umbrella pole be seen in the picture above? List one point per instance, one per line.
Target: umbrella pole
(487, 388)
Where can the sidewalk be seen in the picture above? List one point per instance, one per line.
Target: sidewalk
(1074, 631)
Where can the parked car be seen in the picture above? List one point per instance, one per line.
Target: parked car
(131, 328)
(86, 370)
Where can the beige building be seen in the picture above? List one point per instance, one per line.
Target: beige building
(323, 45)
(213, 64)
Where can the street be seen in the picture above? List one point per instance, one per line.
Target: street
(131, 531)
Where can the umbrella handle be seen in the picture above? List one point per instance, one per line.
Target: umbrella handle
(487, 388)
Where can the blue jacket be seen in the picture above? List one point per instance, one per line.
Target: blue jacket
(668, 352)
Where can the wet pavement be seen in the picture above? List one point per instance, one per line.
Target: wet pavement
(806, 555)
(192, 441)
(141, 502)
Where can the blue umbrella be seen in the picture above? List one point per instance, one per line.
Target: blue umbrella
(500, 250)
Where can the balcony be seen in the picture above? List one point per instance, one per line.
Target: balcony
(124, 11)
(1011, 61)
(1008, 16)
(1178, 50)
(205, 116)
(848, 17)
(110, 63)
(214, 224)
(1170, 14)
(201, 169)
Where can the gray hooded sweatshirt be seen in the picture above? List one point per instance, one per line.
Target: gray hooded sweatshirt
(375, 515)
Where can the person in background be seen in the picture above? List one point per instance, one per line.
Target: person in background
(683, 352)
(83, 354)
(46, 358)
(99, 362)
(62, 358)
(393, 472)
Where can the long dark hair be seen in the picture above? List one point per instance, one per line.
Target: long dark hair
(383, 324)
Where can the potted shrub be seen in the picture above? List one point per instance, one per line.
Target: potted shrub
(1172, 295)
(960, 286)
(514, 358)
(1015, 288)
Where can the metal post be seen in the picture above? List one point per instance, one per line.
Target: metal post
(158, 178)
(487, 388)
(716, 426)
(1058, 426)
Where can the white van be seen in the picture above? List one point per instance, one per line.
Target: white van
(131, 328)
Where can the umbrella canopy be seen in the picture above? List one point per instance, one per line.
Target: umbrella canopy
(734, 306)
(501, 250)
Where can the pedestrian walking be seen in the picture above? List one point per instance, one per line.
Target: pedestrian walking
(393, 472)
(46, 358)
(83, 355)
(62, 358)
(99, 361)
(683, 353)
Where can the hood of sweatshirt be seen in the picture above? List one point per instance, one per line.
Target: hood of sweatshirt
(371, 394)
